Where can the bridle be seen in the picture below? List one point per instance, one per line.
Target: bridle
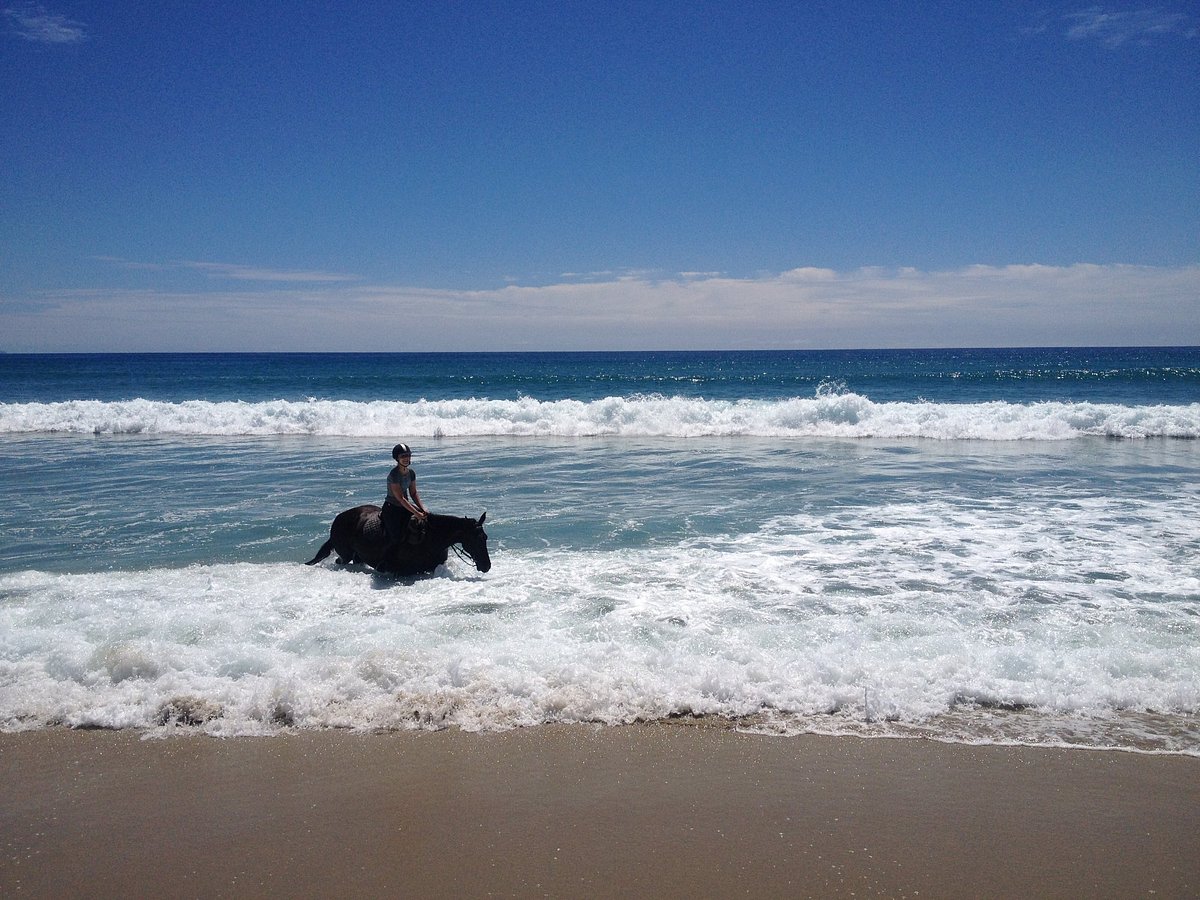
(462, 553)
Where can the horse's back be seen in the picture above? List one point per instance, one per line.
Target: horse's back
(369, 523)
(357, 513)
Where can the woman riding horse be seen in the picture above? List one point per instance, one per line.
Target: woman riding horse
(403, 537)
(402, 507)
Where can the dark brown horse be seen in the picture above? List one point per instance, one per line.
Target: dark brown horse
(358, 537)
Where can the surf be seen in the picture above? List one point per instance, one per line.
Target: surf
(797, 627)
(827, 415)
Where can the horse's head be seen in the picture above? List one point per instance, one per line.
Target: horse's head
(474, 543)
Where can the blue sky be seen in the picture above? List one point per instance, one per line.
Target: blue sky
(561, 175)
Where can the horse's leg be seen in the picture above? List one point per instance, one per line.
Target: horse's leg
(347, 549)
(344, 535)
(344, 544)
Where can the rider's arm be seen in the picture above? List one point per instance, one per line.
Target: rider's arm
(417, 508)
(420, 507)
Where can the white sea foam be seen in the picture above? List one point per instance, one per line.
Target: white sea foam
(829, 414)
(1057, 633)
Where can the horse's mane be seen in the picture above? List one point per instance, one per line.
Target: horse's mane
(459, 520)
(440, 524)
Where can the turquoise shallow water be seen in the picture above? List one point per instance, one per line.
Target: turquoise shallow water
(800, 556)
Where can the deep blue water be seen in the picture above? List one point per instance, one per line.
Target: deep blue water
(1118, 375)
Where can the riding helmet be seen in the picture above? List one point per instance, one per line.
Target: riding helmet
(400, 450)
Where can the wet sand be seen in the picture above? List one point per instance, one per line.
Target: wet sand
(640, 811)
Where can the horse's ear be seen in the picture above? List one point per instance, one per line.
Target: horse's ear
(481, 518)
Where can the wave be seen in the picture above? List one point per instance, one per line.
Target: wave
(834, 415)
(249, 649)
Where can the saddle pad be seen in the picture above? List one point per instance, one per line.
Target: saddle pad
(372, 528)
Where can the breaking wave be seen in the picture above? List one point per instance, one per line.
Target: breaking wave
(829, 414)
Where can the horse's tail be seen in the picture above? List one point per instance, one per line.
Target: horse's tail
(326, 549)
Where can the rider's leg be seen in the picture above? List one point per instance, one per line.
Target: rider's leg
(395, 524)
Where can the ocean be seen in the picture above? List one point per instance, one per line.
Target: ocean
(977, 546)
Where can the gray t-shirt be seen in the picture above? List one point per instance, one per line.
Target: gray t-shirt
(405, 480)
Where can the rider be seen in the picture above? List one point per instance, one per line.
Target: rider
(403, 503)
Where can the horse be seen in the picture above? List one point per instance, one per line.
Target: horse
(358, 536)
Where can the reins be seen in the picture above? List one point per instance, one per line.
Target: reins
(461, 553)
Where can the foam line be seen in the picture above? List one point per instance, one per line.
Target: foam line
(845, 415)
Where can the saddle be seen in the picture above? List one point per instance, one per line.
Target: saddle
(415, 532)
(376, 532)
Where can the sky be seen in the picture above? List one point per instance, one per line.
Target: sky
(523, 175)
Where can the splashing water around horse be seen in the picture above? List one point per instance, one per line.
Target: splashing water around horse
(358, 537)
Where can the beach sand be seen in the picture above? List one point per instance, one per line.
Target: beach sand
(576, 811)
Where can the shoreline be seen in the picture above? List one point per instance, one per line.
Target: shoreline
(653, 810)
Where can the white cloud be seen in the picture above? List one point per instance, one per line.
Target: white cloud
(251, 273)
(1018, 305)
(34, 23)
(231, 271)
(1114, 28)
(808, 273)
